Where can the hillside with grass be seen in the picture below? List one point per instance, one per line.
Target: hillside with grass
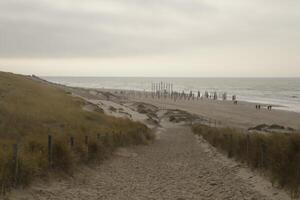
(32, 111)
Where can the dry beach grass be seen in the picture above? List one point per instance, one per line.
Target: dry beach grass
(31, 110)
(277, 154)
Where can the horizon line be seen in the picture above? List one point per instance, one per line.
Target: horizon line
(76, 76)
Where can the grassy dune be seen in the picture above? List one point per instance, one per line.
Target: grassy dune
(278, 154)
(31, 110)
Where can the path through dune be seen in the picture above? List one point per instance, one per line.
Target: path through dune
(176, 166)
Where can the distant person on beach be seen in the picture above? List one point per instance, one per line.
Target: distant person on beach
(206, 94)
(224, 96)
(233, 97)
(215, 96)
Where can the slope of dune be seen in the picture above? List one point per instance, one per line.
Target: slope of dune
(31, 110)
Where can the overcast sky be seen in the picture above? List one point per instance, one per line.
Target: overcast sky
(151, 37)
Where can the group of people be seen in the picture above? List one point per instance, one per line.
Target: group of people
(258, 107)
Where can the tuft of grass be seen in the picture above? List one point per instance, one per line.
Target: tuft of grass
(32, 110)
(276, 154)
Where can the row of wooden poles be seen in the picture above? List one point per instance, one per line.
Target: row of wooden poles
(162, 87)
(262, 150)
(72, 144)
(163, 90)
(15, 152)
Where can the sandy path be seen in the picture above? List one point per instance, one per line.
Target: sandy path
(176, 167)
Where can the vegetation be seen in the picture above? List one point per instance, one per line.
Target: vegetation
(276, 154)
(32, 110)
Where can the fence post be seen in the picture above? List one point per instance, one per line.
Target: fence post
(247, 146)
(230, 153)
(72, 142)
(263, 151)
(50, 150)
(86, 141)
(15, 160)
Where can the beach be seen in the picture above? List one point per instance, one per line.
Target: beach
(243, 115)
(283, 92)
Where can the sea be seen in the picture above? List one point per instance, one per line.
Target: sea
(282, 92)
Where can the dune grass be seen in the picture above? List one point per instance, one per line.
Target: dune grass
(278, 154)
(31, 110)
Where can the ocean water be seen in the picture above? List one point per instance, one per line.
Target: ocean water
(284, 92)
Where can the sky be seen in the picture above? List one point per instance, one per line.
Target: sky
(180, 38)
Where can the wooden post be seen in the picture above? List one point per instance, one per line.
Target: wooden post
(50, 150)
(230, 152)
(121, 138)
(16, 163)
(86, 140)
(72, 142)
(3, 189)
(263, 152)
(247, 147)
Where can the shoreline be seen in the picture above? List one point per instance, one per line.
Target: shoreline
(289, 104)
(275, 105)
(244, 115)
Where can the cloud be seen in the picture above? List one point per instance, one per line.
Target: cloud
(68, 28)
(91, 28)
(147, 28)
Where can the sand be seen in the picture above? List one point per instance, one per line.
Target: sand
(178, 165)
(243, 115)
